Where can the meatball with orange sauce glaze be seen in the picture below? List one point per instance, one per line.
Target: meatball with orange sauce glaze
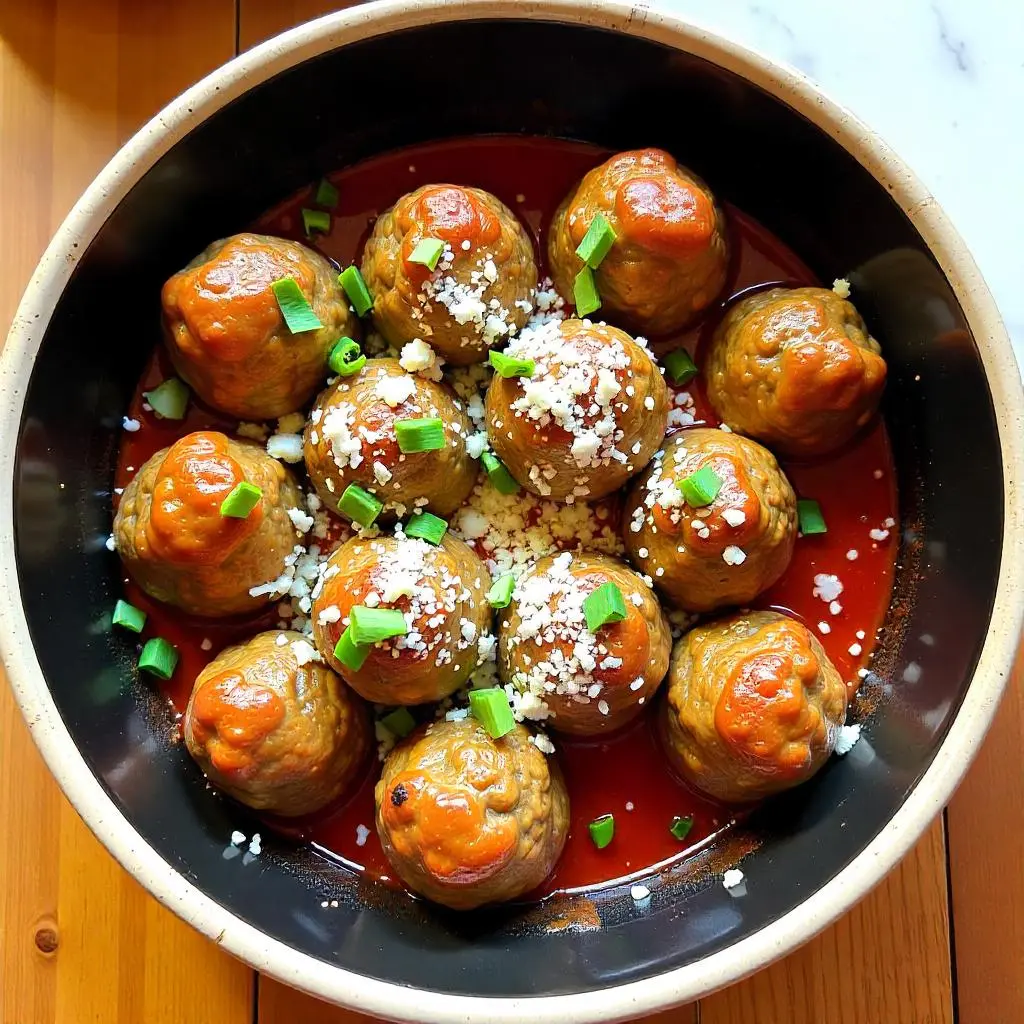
(177, 546)
(670, 256)
(275, 728)
(442, 592)
(467, 820)
(753, 707)
(482, 288)
(227, 338)
(351, 439)
(590, 415)
(727, 551)
(796, 369)
(588, 682)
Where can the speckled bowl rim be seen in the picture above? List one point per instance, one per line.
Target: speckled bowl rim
(683, 984)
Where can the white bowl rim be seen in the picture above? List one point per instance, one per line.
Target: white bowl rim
(633, 999)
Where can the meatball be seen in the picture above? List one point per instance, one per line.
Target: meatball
(592, 413)
(670, 256)
(275, 728)
(482, 289)
(722, 553)
(588, 682)
(796, 369)
(753, 706)
(177, 546)
(441, 590)
(465, 819)
(225, 333)
(351, 439)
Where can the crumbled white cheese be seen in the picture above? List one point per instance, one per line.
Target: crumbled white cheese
(734, 516)
(286, 447)
(827, 587)
(304, 652)
(851, 555)
(855, 650)
(841, 287)
(418, 357)
(393, 391)
(732, 878)
(542, 742)
(734, 555)
(237, 838)
(846, 738)
(639, 892)
(302, 521)
(476, 444)
(130, 425)
(110, 544)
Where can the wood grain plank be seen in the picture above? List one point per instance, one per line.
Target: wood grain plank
(79, 939)
(886, 962)
(261, 19)
(986, 851)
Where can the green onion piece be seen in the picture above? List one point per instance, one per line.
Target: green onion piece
(680, 367)
(360, 506)
(602, 830)
(355, 288)
(295, 308)
(680, 827)
(346, 358)
(399, 722)
(169, 399)
(596, 242)
(326, 194)
(500, 594)
(427, 251)
(370, 625)
(241, 501)
(158, 657)
(811, 520)
(701, 488)
(584, 293)
(315, 221)
(497, 472)
(426, 526)
(491, 709)
(420, 435)
(127, 616)
(604, 605)
(349, 653)
(506, 366)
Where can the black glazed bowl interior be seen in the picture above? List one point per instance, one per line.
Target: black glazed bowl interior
(617, 90)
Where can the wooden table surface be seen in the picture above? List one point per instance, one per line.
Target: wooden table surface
(941, 939)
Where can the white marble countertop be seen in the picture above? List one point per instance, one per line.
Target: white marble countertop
(942, 81)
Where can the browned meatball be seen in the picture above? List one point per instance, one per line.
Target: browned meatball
(227, 338)
(482, 288)
(590, 416)
(796, 369)
(178, 547)
(588, 682)
(440, 589)
(465, 819)
(754, 706)
(669, 259)
(275, 728)
(718, 554)
(351, 439)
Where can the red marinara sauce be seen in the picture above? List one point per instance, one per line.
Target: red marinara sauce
(624, 774)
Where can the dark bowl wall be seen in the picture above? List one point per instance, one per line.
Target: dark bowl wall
(617, 92)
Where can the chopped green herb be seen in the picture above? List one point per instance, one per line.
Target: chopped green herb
(811, 520)
(427, 252)
(295, 308)
(370, 625)
(360, 506)
(326, 194)
(346, 358)
(596, 242)
(680, 367)
(399, 722)
(506, 366)
(500, 594)
(680, 827)
(243, 498)
(604, 605)
(427, 526)
(585, 294)
(602, 830)
(701, 488)
(420, 435)
(356, 290)
(169, 399)
(491, 709)
(497, 472)
(349, 653)
(315, 222)
(127, 616)
(158, 658)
